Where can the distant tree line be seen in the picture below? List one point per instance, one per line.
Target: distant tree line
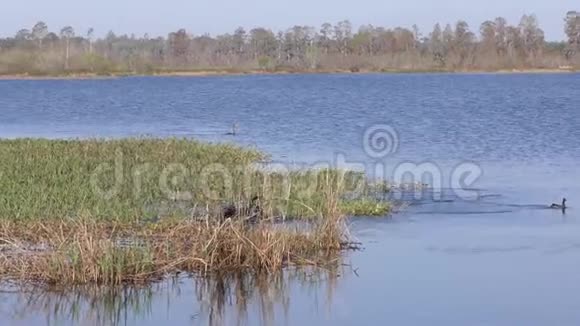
(496, 45)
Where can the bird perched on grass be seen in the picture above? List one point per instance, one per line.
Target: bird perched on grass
(252, 212)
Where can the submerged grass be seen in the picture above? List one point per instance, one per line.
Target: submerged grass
(365, 207)
(134, 210)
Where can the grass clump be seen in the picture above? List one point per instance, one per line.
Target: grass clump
(143, 179)
(134, 210)
(113, 179)
(84, 251)
(365, 207)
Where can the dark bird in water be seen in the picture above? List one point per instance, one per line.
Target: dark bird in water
(251, 213)
(234, 130)
(558, 206)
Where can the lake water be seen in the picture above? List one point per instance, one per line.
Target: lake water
(491, 255)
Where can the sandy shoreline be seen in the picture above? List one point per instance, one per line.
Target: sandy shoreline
(209, 73)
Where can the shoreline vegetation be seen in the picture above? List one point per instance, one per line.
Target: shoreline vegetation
(137, 210)
(234, 72)
(496, 45)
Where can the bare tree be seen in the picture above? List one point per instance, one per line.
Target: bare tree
(67, 33)
(488, 49)
(463, 41)
(488, 35)
(263, 43)
(501, 36)
(23, 35)
(39, 31)
(342, 35)
(436, 45)
(532, 36)
(572, 29)
(179, 46)
(514, 44)
(325, 39)
(448, 37)
(90, 35)
(362, 42)
(416, 33)
(239, 41)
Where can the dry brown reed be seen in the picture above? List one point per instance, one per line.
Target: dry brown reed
(65, 252)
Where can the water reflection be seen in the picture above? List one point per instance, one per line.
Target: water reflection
(83, 305)
(239, 298)
(224, 299)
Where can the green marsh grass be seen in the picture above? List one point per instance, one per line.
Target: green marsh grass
(135, 179)
(135, 210)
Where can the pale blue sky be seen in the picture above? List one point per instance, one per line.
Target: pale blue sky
(218, 16)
